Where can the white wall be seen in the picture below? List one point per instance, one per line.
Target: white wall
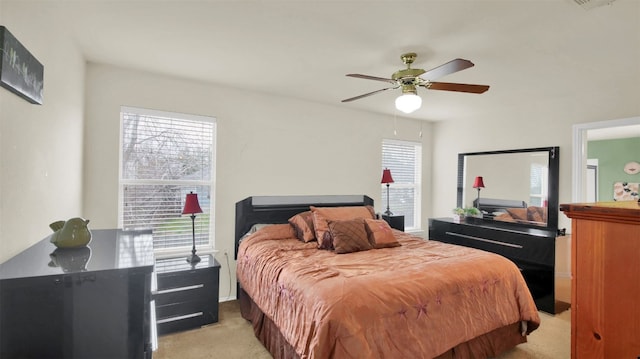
(40, 146)
(266, 145)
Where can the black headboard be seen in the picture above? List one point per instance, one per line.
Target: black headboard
(497, 205)
(278, 209)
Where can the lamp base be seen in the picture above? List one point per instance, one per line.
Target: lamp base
(388, 212)
(193, 259)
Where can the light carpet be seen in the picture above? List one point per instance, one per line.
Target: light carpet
(232, 337)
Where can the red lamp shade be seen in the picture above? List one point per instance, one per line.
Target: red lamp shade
(478, 183)
(386, 176)
(191, 204)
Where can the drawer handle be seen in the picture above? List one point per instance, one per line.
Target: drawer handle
(485, 240)
(180, 289)
(173, 319)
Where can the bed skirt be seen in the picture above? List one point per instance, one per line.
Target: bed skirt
(485, 346)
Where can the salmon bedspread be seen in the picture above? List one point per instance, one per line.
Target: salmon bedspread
(417, 300)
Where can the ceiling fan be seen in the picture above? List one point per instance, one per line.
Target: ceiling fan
(410, 79)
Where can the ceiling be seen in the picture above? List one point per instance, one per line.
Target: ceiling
(528, 51)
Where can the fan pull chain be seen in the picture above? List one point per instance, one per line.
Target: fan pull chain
(395, 123)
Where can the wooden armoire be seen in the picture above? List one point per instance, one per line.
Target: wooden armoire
(605, 285)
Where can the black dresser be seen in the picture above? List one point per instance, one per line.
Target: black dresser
(89, 302)
(531, 249)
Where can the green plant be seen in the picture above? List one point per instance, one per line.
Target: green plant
(471, 211)
(459, 211)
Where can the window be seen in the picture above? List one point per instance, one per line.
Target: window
(164, 156)
(404, 159)
(538, 176)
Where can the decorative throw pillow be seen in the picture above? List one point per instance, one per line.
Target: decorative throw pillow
(380, 234)
(349, 236)
(518, 213)
(536, 214)
(321, 216)
(303, 225)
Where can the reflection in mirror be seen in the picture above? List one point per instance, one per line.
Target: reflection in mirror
(520, 186)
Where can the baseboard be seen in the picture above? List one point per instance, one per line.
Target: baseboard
(226, 299)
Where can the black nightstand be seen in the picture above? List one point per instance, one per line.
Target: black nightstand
(396, 222)
(187, 296)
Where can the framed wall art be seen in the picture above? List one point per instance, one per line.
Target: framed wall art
(20, 72)
(626, 191)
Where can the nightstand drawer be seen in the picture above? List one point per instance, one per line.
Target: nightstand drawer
(187, 321)
(185, 293)
(185, 278)
(207, 308)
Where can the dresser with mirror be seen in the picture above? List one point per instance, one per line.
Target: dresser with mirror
(518, 201)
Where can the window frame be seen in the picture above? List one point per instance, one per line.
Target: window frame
(209, 247)
(417, 185)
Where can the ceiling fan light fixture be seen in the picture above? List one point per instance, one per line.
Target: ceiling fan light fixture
(409, 79)
(408, 102)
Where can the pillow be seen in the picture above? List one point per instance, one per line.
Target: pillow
(258, 226)
(380, 234)
(349, 236)
(321, 216)
(504, 216)
(518, 213)
(278, 231)
(303, 225)
(536, 214)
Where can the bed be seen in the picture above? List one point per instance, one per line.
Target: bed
(416, 299)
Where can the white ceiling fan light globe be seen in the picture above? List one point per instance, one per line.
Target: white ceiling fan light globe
(408, 102)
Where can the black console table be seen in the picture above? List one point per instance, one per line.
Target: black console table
(88, 302)
(531, 249)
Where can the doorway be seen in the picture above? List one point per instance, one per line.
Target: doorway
(581, 134)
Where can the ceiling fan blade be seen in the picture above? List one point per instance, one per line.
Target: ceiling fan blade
(448, 68)
(367, 94)
(448, 86)
(367, 77)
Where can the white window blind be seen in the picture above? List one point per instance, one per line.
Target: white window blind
(538, 177)
(404, 159)
(164, 156)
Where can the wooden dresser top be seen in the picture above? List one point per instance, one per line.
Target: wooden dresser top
(622, 211)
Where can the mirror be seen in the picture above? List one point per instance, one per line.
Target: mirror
(520, 186)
